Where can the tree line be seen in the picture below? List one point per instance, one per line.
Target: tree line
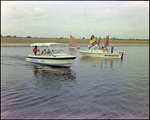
(83, 38)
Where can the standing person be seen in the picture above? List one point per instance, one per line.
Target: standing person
(112, 48)
(35, 50)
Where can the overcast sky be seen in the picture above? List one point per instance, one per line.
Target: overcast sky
(121, 19)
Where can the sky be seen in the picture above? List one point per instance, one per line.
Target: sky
(120, 19)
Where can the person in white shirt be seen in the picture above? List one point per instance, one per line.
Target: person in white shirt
(38, 52)
(44, 51)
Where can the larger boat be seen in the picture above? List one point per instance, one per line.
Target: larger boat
(56, 57)
(96, 51)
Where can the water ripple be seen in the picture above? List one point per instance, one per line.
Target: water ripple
(92, 88)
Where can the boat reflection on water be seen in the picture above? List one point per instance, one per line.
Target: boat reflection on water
(101, 62)
(50, 77)
(56, 73)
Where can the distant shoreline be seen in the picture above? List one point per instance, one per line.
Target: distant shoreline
(65, 45)
(5, 42)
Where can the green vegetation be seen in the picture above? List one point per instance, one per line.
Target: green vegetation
(83, 38)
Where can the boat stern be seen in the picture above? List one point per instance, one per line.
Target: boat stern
(121, 53)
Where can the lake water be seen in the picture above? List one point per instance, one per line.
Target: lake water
(92, 88)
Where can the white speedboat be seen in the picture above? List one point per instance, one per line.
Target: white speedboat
(57, 57)
(96, 52)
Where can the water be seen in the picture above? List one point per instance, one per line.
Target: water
(91, 88)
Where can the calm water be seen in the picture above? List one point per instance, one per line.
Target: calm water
(90, 88)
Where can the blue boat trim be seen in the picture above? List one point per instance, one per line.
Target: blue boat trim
(53, 58)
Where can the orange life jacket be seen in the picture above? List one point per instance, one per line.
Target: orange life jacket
(35, 49)
(48, 52)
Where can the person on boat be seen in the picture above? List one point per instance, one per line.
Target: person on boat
(48, 51)
(106, 49)
(38, 52)
(112, 48)
(44, 51)
(102, 48)
(35, 50)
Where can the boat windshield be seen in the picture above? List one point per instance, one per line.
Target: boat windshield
(57, 51)
(57, 48)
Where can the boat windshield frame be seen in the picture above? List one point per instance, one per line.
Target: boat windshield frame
(57, 49)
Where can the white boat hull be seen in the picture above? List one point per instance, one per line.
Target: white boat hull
(62, 61)
(102, 54)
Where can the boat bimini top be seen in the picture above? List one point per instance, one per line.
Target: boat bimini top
(46, 44)
(55, 48)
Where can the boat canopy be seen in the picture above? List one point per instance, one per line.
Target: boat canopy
(46, 44)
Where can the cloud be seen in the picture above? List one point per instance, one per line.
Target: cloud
(130, 29)
(105, 15)
(14, 11)
(141, 4)
(82, 18)
(130, 14)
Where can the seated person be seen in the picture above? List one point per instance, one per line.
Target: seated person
(106, 49)
(44, 51)
(48, 51)
(38, 52)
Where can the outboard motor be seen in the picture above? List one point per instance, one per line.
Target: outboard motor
(122, 53)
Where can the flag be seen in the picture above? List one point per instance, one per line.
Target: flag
(72, 41)
(107, 42)
(93, 40)
(99, 41)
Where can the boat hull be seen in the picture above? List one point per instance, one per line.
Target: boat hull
(62, 61)
(102, 54)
